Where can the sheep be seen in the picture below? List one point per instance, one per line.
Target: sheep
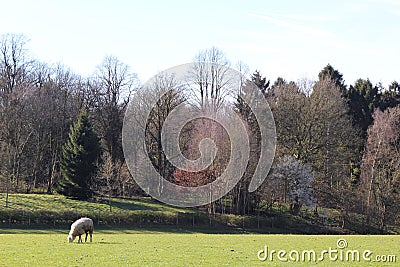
(79, 227)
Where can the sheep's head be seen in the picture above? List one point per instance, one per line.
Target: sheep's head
(71, 238)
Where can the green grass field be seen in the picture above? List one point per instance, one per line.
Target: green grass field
(144, 232)
(121, 247)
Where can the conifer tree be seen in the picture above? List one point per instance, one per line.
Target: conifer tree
(79, 159)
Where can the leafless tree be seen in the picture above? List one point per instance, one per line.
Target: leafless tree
(56, 100)
(105, 183)
(209, 75)
(380, 176)
(313, 126)
(15, 85)
(109, 91)
(167, 96)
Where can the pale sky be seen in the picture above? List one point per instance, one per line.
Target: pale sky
(291, 39)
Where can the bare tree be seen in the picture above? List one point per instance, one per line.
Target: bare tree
(336, 145)
(313, 126)
(54, 104)
(210, 78)
(105, 184)
(381, 168)
(109, 91)
(167, 96)
(14, 63)
(15, 85)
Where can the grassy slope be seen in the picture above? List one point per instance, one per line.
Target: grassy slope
(58, 203)
(133, 248)
(34, 209)
(57, 209)
(141, 212)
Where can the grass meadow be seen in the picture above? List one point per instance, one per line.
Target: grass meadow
(144, 232)
(122, 247)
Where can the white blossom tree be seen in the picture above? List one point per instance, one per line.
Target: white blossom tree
(291, 181)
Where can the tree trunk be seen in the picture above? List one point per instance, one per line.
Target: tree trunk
(7, 190)
(50, 182)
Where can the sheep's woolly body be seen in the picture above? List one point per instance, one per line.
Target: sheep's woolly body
(80, 227)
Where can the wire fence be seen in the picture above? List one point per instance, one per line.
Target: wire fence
(138, 218)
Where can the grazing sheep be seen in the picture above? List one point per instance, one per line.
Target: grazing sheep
(79, 227)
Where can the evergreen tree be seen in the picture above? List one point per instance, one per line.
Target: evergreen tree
(79, 158)
(261, 82)
(363, 98)
(328, 72)
(390, 98)
(243, 201)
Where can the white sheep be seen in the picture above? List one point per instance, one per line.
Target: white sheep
(79, 227)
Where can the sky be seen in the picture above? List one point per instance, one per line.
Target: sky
(289, 39)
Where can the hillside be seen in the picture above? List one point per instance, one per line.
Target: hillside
(33, 210)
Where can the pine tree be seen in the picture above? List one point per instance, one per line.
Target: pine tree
(79, 158)
(328, 72)
(244, 202)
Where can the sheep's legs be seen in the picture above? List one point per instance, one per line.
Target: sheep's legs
(79, 239)
(90, 233)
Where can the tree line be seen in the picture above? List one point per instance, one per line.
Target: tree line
(38, 105)
(338, 145)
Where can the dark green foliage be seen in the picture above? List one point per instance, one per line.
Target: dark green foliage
(363, 98)
(279, 81)
(244, 202)
(328, 72)
(391, 97)
(260, 82)
(79, 158)
(242, 107)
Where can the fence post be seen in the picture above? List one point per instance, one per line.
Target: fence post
(193, 219)
(98, 217)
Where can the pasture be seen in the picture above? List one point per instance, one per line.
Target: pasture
(141, 247)
(143, 232)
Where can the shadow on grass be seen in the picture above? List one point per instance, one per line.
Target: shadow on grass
(41, 201)
(127, 229)
(130, 206)
(17, 230)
